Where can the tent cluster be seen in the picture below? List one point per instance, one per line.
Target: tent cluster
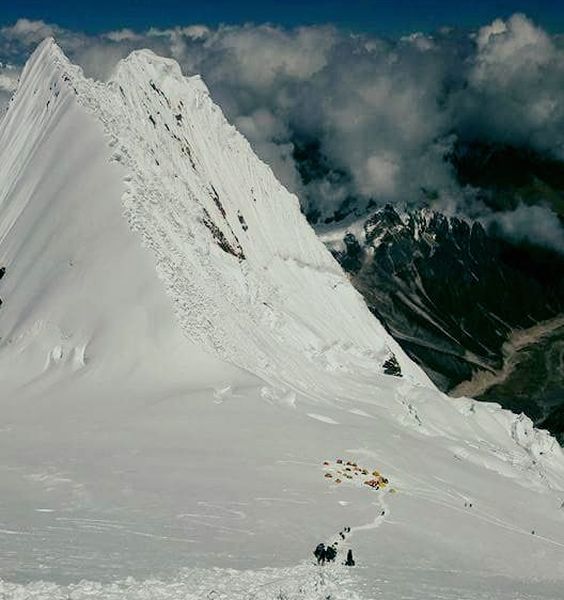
(377, 482)
(342, 470)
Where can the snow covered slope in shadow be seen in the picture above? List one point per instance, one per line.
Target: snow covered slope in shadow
(179, 355)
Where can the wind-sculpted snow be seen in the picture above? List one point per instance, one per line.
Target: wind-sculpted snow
(303, 582)
(179, 356)
(248, 276)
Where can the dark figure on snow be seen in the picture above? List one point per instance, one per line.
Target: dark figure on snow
(330, 553)
(320, 554)
(350, 560)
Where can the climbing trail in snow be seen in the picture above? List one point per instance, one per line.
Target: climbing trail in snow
(383, 512)
(349, 472)
(342, 540)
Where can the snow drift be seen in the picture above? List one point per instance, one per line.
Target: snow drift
(179, 354)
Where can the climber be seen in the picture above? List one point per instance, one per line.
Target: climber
(330, 553)
(320, 554)
(350, 560)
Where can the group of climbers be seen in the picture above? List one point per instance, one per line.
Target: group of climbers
(328, 553)
(325, 553)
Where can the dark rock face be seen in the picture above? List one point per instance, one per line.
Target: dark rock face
(449, 292)
(535, 385)
(507, 175)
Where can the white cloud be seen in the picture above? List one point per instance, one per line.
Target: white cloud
(535, 224)
(383, 113)
(9, 75)
(381, 172)
(122, 35)
(28, 31)
(515, 90)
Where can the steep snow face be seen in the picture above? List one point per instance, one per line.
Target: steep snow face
(132, 440)
(78, 285)
(247, 274)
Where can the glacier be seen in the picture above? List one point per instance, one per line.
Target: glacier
(180, 354)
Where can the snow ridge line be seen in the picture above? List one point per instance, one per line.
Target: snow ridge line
(342, 538)
(199, 315)
(220, 302)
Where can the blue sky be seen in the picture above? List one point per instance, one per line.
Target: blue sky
(388, 17)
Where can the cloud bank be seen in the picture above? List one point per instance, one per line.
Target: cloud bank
(340, 115)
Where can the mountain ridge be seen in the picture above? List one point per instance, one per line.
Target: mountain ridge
(197, 416)
(207, 209)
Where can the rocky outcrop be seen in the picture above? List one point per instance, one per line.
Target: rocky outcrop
(447, 290)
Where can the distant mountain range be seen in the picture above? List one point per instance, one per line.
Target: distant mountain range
(453, 291)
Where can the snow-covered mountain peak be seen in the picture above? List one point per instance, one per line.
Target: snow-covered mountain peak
(42, 70)
(145, 64)
(226, 234)
(48, 51)
(248, 278)
(188, 356)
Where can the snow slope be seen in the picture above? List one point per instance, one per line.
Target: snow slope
(178, 356)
